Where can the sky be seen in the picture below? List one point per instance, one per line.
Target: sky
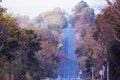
(32, 8)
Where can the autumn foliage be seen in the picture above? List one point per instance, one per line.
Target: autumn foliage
(108, 33)
(25, 53)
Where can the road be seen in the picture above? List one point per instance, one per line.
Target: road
(69, 67)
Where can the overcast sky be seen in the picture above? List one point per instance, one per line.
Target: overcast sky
(32, 8)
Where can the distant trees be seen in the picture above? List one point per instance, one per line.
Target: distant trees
(53, 20)
(82, 17)
(23, 21)
(83, 21)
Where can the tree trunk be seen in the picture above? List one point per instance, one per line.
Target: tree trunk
(6, 76)
(11, 76)
(28, 76)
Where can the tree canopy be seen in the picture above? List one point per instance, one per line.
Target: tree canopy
(25, 53)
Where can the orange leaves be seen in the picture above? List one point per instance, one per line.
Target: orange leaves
(6, 19)
(9, 20)
(1, 16)
(48, 47)
(2, 10)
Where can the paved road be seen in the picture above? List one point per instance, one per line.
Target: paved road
(69, 67)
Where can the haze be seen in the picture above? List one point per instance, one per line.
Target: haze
(33, 8)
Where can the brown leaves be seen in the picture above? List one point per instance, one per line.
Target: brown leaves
(108, 30)
(108, 21)
(48, 48)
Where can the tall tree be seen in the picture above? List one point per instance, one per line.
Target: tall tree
(108, 31)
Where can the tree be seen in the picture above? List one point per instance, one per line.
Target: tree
(108, 33)
(17, 48)
(53, 20)
(91, 51)
(82, 19)
(49, 56)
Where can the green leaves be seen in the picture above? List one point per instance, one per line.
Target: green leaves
(24, 51)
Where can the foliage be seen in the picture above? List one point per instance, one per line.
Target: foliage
(82, 14)
(90, 48)
(80, 6)
(49, 56)
(53, 20)
(23, 21)
(107, 32)
(82, 19)
(22, 51)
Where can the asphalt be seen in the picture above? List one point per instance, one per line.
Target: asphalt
(68, 68)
